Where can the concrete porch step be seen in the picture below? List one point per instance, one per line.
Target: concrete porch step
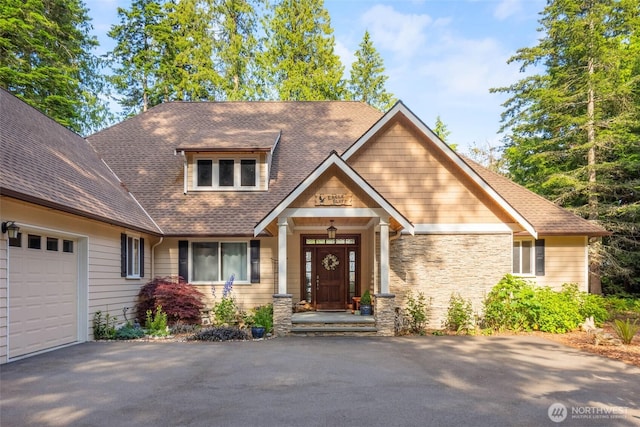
(332, 324)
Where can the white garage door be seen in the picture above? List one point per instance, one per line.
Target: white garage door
(43, 293)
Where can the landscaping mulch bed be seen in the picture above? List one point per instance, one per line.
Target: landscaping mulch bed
(581, 340)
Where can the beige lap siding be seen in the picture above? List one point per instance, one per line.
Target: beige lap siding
(3, 297)
(565, 262)
(440, 265)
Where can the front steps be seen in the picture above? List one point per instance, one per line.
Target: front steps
(320, 323)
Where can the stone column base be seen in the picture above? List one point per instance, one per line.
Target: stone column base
(385, 314)
(282, 310)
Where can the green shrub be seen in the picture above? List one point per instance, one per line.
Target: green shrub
(104, 329)
(223, 333)
(226, 311)
(511, 304)
(263, 316)
(515, 304)
(129, 332)
(417, 312)
(365, 299)
(459, 314)
(626, 330)
(156, 324)
(559, 311)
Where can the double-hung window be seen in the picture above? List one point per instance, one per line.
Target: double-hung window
(131, 256)
(523, 257)
(529, 257)
(226, 174)
(217, 261)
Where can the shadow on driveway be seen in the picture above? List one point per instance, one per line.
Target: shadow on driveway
(404, 381)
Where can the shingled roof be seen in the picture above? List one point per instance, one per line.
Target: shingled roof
(44, 163)
(141, 151)
(546, 217)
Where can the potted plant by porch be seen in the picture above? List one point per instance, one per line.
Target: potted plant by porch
(262, 321)
(365, 303)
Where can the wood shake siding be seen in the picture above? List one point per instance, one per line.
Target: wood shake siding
(439, 265)
(334, 182)
(420, 182)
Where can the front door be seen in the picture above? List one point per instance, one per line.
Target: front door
(330, 278)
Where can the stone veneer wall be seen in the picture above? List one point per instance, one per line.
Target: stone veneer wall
(440, 265)
(282, 311)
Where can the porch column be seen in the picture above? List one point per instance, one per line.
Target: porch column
(283, 225)
(384, 257)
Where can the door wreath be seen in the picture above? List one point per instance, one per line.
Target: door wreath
(330, 262)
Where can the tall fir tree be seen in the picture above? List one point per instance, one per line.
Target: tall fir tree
(299, 62)
(367, 80)
(572, 131)
(136, 57)
(236, 47)
(47, 60)
(194, 77)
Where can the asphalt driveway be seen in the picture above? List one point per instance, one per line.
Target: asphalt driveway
(415, 381)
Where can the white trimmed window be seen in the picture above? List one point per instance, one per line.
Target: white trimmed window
(523, 257)
(131, 256)
(226, 173)
(217, 261)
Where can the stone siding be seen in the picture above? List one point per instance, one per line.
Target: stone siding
(282, 311)
(439, 265)
(385, 314)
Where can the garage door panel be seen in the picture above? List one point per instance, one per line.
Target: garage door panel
(43, 299)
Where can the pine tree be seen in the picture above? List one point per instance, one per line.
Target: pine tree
(299, 62)
(367, 82)
(47, 60)
(573, 130)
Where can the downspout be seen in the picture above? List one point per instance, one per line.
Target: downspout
(153, 257)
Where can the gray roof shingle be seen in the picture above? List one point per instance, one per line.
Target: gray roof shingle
(45, 163)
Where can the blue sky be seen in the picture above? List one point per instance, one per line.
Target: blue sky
(441, 56)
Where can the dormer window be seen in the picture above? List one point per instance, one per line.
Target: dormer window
(226, 174)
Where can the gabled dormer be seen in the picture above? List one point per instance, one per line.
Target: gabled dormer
(230, 162)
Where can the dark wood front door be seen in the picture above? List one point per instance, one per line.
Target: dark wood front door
(330, 278)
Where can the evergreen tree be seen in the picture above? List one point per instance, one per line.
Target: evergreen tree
(236, 48)
(47, 60)
(573, 129)
(137, 54)
(367, 82)
(193, 76)
(299, 62)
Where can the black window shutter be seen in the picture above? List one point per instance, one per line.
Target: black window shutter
(183, 259)
(255, 261)
(141, 257)
(540, 257)
(123, 255)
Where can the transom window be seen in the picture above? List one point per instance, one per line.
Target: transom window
(523, 257)
(217, 261)
(226, 174)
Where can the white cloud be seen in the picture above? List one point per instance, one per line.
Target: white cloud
(506, 9)
(346, 56)
(403, 34)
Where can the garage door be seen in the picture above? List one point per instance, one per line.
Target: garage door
(43, 292)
